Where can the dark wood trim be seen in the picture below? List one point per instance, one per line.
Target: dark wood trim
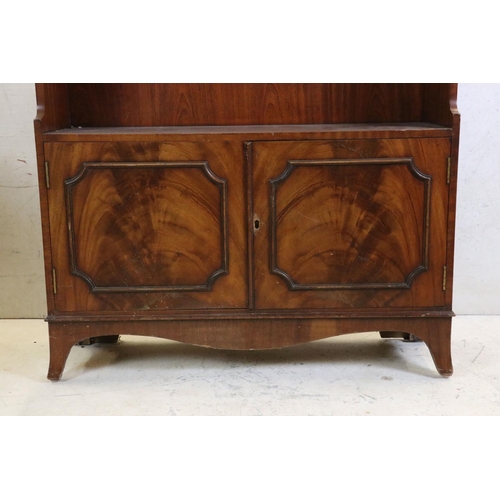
(212, 177)
(273, 245)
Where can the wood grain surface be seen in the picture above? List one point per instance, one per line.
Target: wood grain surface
(244, 133)
(346, 224)
(121, 104)
(358, 233)
(247, 216)
(139, 105)
(147, 226)
(158, 226)
(251, 334)
(53, 111)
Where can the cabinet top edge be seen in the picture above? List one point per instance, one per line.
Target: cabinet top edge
(249, 132)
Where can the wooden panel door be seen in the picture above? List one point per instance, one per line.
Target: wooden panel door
(343, 224)
(147, 226)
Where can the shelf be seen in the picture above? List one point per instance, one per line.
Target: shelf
(249, 132)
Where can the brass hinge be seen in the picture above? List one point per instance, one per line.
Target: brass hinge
(444, 278)
(448, 171)
(47, 176)
(54, 281)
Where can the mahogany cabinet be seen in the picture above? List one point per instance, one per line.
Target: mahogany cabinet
(247, 216)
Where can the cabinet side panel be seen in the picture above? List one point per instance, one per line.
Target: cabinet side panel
(44, 212)
(452, 207)
(53, 106)
(439, 100)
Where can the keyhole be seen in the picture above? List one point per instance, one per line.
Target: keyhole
(256, 224)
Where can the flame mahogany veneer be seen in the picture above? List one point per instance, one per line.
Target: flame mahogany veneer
(247, 216)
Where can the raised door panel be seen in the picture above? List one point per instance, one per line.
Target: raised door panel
(147, 226)
(347, 224)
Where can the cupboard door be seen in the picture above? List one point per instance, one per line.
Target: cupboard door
(147, 226)
(344, 224)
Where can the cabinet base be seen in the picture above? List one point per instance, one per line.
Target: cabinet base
(247, 334)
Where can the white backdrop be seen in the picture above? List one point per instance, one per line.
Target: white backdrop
(477, 270)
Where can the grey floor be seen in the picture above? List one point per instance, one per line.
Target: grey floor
(349, 375)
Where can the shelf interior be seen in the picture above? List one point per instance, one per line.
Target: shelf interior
(111, 105)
